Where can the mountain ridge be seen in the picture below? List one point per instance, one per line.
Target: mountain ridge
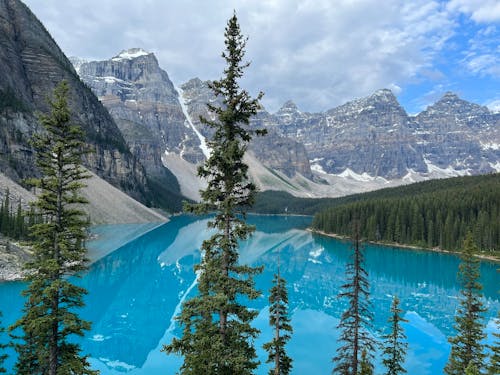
(365, 143)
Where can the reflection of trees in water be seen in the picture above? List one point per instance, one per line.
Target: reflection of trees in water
(424, 281)
(132, 298)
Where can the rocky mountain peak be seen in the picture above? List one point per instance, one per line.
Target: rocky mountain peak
(32, 64)
(193, 84)
(289, 113)
(452, 105)
(289, 106)
(384, 94)
(381, 103)
(133, 74)
(130, 54)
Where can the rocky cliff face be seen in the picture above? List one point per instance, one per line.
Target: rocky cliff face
(143, 101)
(459, 134)
(159, 121)
(32, 65)
(274, 151)
(376, 137)
(368, 140)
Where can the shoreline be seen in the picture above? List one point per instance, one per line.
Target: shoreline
(490, 258)
(12, 262)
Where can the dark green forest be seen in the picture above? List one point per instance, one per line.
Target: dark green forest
(436, 213)
(14, 221)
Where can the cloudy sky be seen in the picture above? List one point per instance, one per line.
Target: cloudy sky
(319, 53)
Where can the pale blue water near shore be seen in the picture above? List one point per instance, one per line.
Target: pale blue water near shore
(136, 290)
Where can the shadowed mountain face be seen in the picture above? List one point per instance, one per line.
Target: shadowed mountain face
(32, 65)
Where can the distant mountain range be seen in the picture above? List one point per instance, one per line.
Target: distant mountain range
(147, 138)
(361, 145)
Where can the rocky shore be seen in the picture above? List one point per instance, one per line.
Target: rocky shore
(13, 255)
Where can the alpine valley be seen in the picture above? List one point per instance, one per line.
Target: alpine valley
(147, 140)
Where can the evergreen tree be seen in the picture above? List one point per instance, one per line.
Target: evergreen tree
(466, 347)
(365, 365)
(279, 320)
(494, 367)
(50, 316)
(356, 320)
(472, 369)
(217, 336)
(6, 213)
(395, 344)
(19, 222)
(3, 356)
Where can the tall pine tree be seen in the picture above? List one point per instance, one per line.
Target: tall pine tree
(467, 347)
(217, 336)
(357, 319)
(280, 322)
(50, 313)
(395, 342)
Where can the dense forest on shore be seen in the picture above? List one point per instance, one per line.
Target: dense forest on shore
(436, 213)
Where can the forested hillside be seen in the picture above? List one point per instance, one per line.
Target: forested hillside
(430, 214)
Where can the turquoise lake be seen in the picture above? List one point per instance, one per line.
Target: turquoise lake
(136, 291)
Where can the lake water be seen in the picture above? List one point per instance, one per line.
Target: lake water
(136, 290)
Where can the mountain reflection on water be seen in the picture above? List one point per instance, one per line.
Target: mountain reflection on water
(135, 292)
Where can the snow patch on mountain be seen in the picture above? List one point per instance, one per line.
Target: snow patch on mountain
(413, 176)
(495, 166)
(490, 146)
(449, 171)
(203, 143)
(364, 177)
(130, 54)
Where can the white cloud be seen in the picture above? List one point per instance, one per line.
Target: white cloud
(320, 53)
(482, 56)
(487, 64)
(479, 10)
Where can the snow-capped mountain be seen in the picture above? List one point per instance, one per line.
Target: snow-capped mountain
(161, 123)
(374, 136)
(365, 144)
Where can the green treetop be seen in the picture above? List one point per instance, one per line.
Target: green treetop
(50, 312)
(280, 322)
(467, 347)
(356, 320)
(218, 337)
(395, 345)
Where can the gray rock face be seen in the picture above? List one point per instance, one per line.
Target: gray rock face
(374, 135)
(454, 132)
(32, 65)
(274, 151)
(145, 105)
